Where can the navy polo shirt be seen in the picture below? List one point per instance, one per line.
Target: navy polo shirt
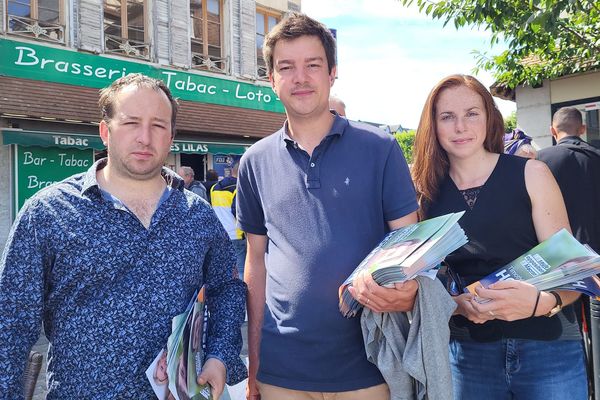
(322, 215)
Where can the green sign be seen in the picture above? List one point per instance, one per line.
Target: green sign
(78, 141)
(51, 139)
(43, 63)
(203, 148)
(38, 167)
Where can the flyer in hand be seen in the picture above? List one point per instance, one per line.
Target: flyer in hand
(173, 372)
(405, 253)
(560, 262)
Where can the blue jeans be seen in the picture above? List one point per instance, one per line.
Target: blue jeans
(239, 245)
(518, 369)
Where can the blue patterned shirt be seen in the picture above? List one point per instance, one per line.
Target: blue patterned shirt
(106, 288)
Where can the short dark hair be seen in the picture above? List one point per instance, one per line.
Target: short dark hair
(109, 94)
(212, 175)
(567, 120)
(292, 27)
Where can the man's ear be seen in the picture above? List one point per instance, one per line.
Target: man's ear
(103, 128)
(554, 133)
(332, 75)
(581, 129)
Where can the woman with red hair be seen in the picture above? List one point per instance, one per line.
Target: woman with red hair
(522, 343)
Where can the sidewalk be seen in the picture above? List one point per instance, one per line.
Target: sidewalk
(42, 347)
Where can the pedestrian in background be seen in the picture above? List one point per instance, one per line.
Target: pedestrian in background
(106, 258)
(336, 104)
(523, 343)
(311, 213)
(519, 144)
(212, 177)
(223, 200)
(576, 166)
(187, 173)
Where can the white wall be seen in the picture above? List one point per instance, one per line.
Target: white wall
(583, 86)
(534, 113)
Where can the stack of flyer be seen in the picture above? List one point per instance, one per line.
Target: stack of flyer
(406, 253)
(560, 263)
(173, 372)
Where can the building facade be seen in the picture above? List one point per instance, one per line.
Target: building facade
(56, 54)
(536, 106)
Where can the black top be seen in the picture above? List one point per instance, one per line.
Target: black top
(576, 167)
(500, 229)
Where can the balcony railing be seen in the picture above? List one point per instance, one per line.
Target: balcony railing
(129, 47)
(210, 63)
(28, 27)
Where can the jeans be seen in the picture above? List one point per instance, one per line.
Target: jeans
(518, 369)
(239, 245)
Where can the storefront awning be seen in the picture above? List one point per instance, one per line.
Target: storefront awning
(51, 139)
(82, 141)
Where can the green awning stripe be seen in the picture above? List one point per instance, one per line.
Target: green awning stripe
(81, 141)
(51, 139)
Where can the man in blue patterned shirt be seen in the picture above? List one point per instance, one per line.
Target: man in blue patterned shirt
(106, 258)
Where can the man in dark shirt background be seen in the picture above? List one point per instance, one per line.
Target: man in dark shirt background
(576, 166)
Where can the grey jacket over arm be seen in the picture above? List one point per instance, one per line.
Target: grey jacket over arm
(413, 355)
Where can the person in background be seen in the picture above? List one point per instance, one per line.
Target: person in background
(522, 343)
(519, 144)
(187, 173)
(212, 177)
(222, 198)
(336, 104)
(106, 258)
(311, 213)
(576, 166)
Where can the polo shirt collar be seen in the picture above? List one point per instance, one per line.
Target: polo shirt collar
(337, 129)
(90, 181)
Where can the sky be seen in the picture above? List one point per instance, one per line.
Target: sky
(390, 56)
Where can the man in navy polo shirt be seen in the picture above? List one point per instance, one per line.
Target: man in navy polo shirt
(314, 198)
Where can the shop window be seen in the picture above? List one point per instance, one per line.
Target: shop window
(38, 19)
(206, 19)
(592, 122)
(265, 21)
(125, 28)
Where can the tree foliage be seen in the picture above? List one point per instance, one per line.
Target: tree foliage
(544, 38)
(406, 140)
(510, 122)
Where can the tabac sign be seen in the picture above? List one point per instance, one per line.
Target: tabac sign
(50, 64)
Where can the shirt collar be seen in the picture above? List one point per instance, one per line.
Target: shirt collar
(90, 181)
(337, 129)
(570, 139)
